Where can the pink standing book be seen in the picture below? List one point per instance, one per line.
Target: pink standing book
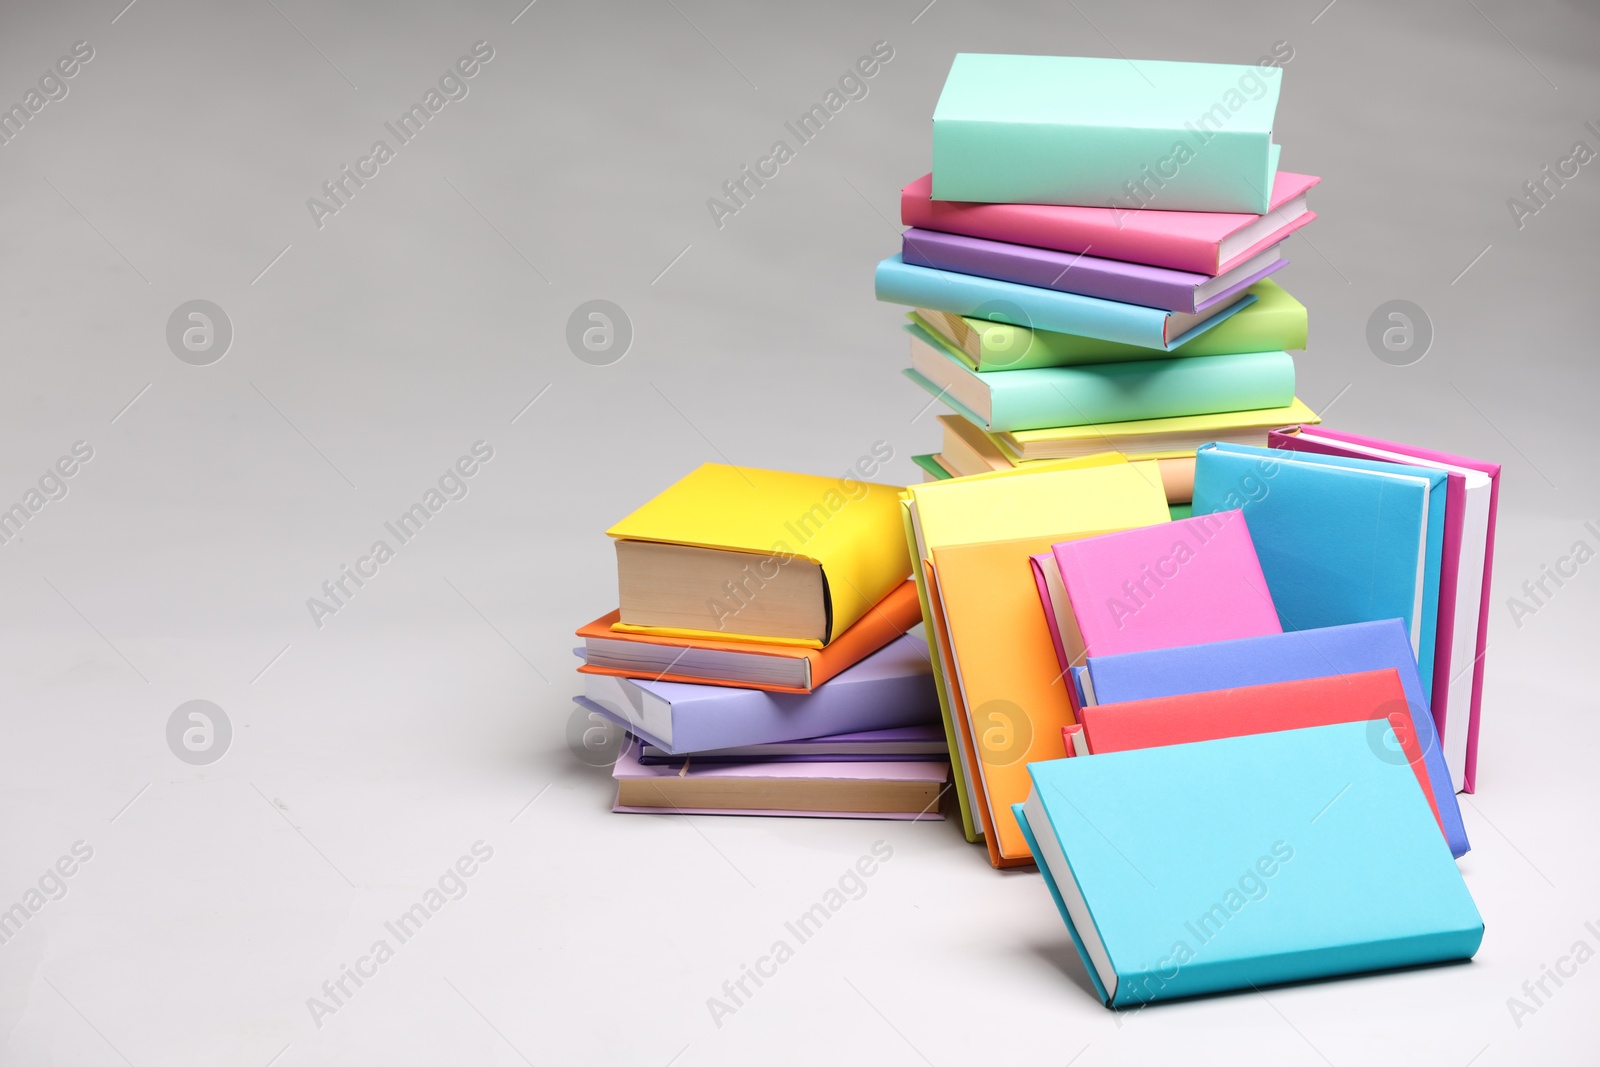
(1472, 505)
(1175, 583)
(1206, 242)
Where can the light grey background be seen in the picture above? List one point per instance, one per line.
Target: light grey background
(426, 715)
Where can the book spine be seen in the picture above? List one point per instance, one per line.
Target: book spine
(1201, 975)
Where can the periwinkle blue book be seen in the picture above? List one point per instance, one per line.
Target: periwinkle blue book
(1244, 862)
(1285, 657)
(1340, 540)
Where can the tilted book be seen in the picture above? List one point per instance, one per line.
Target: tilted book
(1245, 862)
(1008, 504)
(1340, 540)
(899, 282)
(1472, 506)
(1003, 694)
(1179, 583)
(1274, 322)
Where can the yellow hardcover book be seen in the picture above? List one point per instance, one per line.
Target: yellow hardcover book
(728, 539)
(1100, 493)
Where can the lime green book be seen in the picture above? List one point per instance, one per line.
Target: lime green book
(1276, 322)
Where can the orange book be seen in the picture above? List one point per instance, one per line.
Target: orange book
(1008, 697)
(748, 664)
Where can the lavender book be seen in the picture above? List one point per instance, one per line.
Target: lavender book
(1106, 279)
(893, 687)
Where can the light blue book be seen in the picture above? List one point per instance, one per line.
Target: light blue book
(899, 282)
(1245, 862)
(1340, 540)
(1129, 133)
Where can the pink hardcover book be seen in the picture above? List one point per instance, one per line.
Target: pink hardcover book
(1206, 242)
(1176, 583)
(1472, 504)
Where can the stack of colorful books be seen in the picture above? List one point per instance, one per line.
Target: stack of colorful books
(759, 658)
(1216, 670)
(1089, 264)
(1223, 694)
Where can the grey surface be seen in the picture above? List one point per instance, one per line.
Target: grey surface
(431, 712)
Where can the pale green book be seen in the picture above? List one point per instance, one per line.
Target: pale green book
(1051, 397)
(1131, 134)
(1276, 322)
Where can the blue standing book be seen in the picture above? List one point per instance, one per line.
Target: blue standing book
(1340, 540)
(1285, 657)
(899, 282)
(1243, 862)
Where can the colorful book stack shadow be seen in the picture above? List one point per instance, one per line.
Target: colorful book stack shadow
(1089, 266)
(759, 659)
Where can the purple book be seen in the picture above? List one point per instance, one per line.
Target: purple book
(1107, 279)
(892, 687)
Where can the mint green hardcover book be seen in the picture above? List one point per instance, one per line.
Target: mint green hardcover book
(1048, 397)
(1131, 134)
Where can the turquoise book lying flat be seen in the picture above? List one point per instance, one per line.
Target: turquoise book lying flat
(1090, 131)
(1244, 862)
(1046, 397)
(899, 282)
(1340, 540)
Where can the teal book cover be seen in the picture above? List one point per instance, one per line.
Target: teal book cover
(1247, 861)
(1129, 134)
(1348, 540)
